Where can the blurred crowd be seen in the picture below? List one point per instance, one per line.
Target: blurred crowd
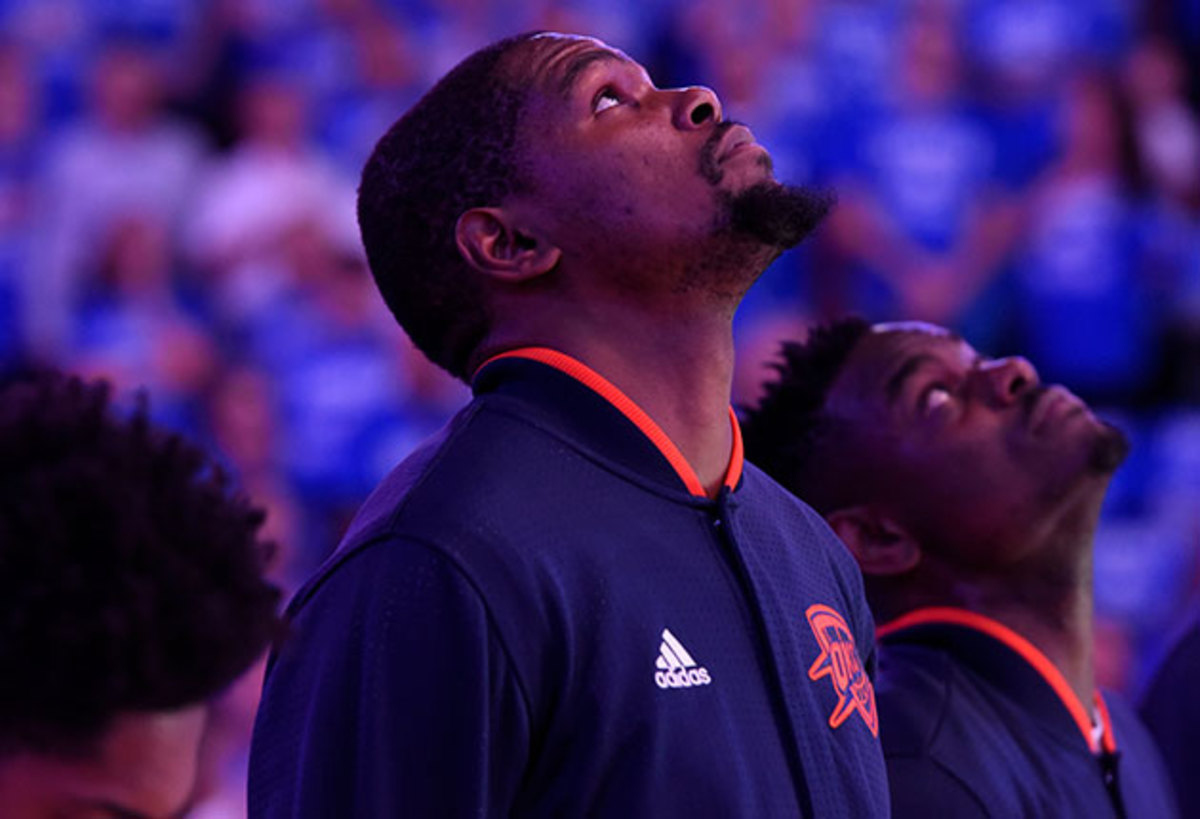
(176, 213)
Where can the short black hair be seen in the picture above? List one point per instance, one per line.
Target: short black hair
(131, 573)
(454, 150)
(788, 433)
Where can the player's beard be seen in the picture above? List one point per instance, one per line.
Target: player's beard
(779, 216)
(752, 227)
(1109, 449)
(776, 215)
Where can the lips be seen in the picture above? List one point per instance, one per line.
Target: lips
(738, 137)
(1051, 402)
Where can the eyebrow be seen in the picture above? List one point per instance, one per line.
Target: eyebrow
(895, 384)
(580, 64)
(117, 811)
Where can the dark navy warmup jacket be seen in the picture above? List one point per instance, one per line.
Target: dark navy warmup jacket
(975, 721)
(540, 613)
(1171, 708)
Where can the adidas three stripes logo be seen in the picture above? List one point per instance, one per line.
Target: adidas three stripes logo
(676, 667)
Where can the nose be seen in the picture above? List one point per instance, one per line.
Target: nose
(695, 107)
(1008, 379)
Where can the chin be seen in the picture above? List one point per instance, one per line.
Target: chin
(777, 215)
(1109, 449)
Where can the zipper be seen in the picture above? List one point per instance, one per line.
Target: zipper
(1108, 770)
(774, 682)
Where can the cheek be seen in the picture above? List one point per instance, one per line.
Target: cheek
(630, 184)
(27, 789)
(963, 478)
(582, 194)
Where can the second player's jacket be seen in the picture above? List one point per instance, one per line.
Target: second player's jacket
(542, 614)
(976, 722)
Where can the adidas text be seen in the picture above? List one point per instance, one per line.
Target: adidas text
(682, 677)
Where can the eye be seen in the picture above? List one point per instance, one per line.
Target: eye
(606, 98)
(936, 397)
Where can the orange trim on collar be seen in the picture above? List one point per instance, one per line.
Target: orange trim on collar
(1028, 651)
(1109, 741)
(737, 459)
(625, 405)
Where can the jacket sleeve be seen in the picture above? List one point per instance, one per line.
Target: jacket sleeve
(392, 695)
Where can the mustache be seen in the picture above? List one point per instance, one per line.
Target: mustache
(1030, 398)
(709, 168)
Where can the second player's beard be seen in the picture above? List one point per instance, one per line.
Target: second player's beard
(1109, 450)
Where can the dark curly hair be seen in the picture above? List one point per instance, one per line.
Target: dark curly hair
(454, 150)
(131, 574)
(789, 435)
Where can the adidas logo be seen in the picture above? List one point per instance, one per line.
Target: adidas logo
(676, 667)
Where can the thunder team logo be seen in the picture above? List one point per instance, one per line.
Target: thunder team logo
(839, 661)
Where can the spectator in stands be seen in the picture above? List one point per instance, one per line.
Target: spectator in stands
(20, 104)
(272, 182)
(135, 328)
(1085, 305)
(1166, 133)
(922, 224)
(127, 156)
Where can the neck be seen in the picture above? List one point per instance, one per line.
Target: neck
(1047, 598)
(1063, 632)
(1060, 625)
(678, 369)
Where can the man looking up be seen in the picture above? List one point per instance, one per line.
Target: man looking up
(969, 494)
(575, 601)
(131, 593)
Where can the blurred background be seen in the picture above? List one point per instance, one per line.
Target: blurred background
(176, 214)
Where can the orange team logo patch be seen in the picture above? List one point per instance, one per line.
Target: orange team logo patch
(839, 661)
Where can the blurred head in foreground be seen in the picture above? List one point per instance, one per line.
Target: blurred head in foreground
(131, 593)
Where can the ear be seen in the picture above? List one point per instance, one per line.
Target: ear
(879, 544)
(491, 243)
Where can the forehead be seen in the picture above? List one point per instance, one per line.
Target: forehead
(554, 63)
(879, 364)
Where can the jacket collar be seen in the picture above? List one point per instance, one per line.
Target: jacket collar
(593, 411)
(1007, 661)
